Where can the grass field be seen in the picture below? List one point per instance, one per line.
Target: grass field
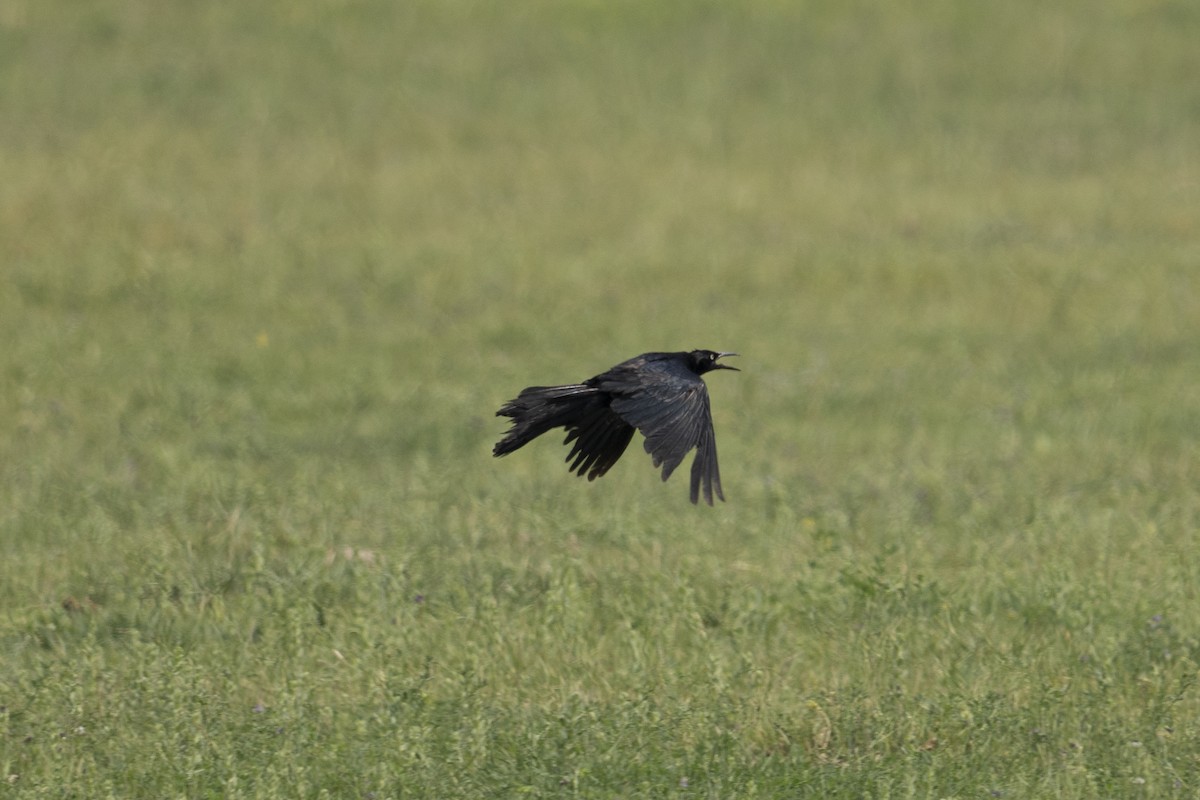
(268, 269)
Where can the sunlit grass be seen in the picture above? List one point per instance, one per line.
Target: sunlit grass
(269, 269)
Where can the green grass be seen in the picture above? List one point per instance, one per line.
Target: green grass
(269, 268)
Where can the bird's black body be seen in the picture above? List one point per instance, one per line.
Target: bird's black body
(660, 394)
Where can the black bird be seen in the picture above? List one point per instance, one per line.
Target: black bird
(659, 394)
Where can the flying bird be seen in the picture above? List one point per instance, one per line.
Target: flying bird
(659, 394)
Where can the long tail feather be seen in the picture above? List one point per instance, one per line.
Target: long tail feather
(542, 408)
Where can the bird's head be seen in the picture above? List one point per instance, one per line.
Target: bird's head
(702, 361)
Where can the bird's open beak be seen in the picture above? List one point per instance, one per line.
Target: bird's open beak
(725, 366)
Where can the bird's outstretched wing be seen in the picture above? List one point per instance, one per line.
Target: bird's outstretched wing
(669, 405)
(600, 438)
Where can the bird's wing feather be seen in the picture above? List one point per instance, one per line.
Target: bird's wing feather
(671, 409)
(600, 438)
(705, 470)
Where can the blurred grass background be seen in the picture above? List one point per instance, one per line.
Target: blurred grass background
(269, 269)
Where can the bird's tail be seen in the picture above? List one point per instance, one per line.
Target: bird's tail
(542, 408)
